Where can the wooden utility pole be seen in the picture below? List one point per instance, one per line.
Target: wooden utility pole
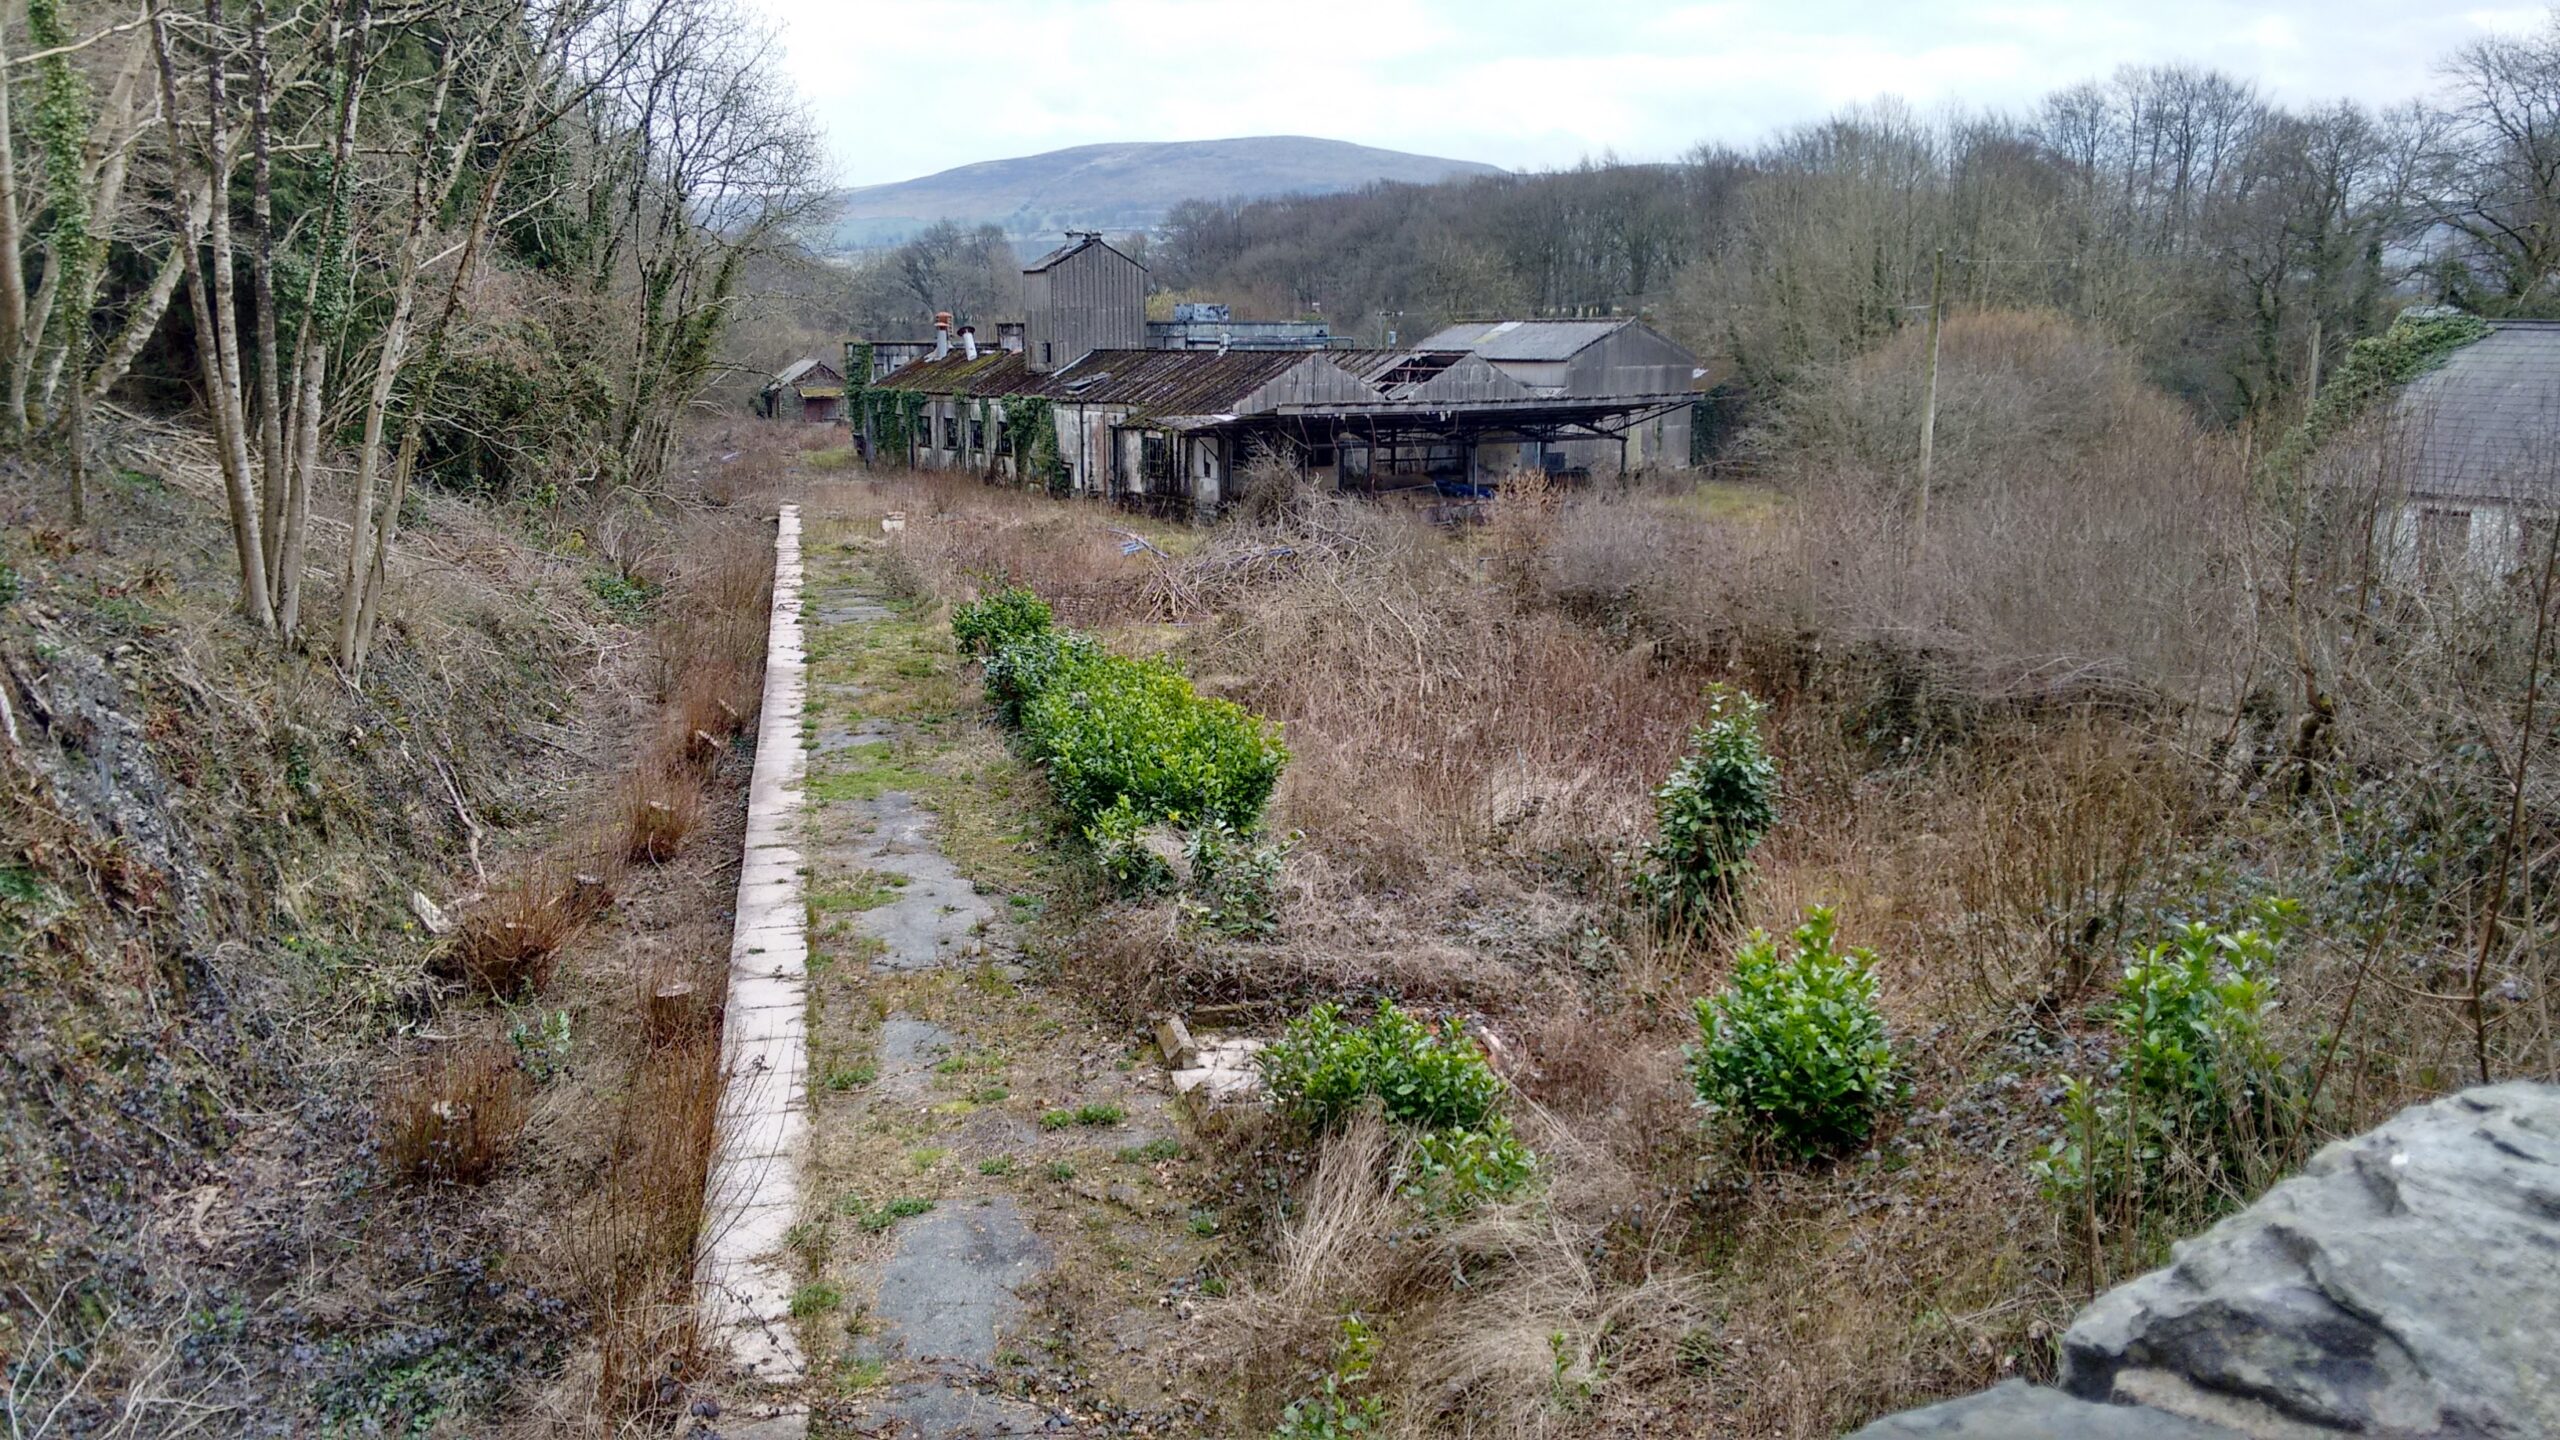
(1929, 405)
(2311, 390)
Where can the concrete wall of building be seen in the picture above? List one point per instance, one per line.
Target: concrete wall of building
(2469, 541)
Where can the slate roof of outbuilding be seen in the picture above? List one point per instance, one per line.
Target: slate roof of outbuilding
(2485, 425)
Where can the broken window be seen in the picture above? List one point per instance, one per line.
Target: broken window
(950, 432)
(977, 433)
(2444, 540)
(1155, 459)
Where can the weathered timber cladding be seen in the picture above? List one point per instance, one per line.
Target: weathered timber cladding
(1080, 298)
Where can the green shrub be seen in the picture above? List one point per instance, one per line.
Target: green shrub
(1235, 882)
(1341, 1404)
(1108, 727)
(1321, 1069)
(1713, 810)
(988, 624)
(2198, 1089)
(1452, 1169)
(1794, 1046)
(1119, 840)
(1026, 666)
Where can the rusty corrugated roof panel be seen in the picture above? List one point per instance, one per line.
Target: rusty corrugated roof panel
(1170, 382)
(1157, 382)
(994, 372)
(1368, 364)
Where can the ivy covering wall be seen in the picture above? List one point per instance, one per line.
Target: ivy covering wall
(2374, 368)
(894, 419)
(1033, 426)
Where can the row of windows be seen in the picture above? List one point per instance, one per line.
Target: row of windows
(2444, 539)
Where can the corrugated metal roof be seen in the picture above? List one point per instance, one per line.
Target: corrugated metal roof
(2486, 423)
(994, 372)
(1160, 382)
(1081, 242)
(798, 368)
(1524, 340)
(1171, 382)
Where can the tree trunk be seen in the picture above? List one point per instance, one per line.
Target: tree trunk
(356, 575)
(320, 305)
(262, 297)
(254, 599)
(13, 278)
(231, 398)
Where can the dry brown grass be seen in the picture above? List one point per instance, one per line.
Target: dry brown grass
(636, 1238)
(451, 1116)
(615, 1197)
(661, 805)
(508, 943)
(2010, 756)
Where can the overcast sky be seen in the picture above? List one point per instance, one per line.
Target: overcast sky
(908, 87)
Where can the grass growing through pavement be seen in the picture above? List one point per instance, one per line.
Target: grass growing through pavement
(953, 1120)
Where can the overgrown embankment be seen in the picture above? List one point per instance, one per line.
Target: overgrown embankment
(2102, 916)
(327, 1007)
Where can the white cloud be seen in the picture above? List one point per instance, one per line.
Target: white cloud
(906, 87)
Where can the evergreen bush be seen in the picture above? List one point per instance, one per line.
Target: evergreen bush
(998, 619)
(1795, 1047)
(1712, 812)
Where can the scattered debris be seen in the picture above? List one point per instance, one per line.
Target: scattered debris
(430, 915)
(1221, 1077)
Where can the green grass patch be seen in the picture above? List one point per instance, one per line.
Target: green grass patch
(872, 1219)
(1092, 1115)
(815, 1298)
(864, 773)
(1163, 1147)
(851, 1077)
(867, 891)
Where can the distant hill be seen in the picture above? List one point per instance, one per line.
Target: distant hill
(1125, 187)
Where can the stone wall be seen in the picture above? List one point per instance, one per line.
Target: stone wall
(2407, 1283)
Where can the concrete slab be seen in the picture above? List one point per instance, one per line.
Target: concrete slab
(753, 1191)
(951, 1289)
(909, 1049)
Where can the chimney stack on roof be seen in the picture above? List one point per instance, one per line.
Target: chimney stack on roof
(969, 341)
(941, 334)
